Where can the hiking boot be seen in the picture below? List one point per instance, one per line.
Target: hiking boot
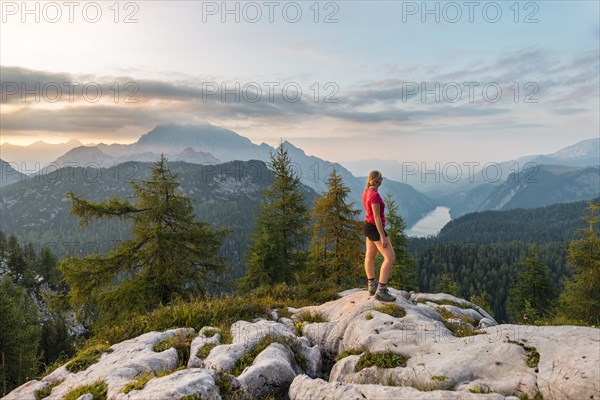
(372, 287)
(384, 295)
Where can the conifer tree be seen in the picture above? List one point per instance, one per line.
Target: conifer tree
(532, 295)
(404, 272)
(447, 285)
(278, 250)
(47, 267)
(336, 248)
(580, 300)
(19, 336)
(169, 255)
(19, 269)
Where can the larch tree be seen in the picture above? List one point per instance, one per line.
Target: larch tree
(336, 246)
(170, 255)
(580, 300)
(278, 247)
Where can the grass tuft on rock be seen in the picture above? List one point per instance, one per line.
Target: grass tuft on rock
(385, 359)
(247, 359)
(97, 389)
(461, 330)
(140, 383)
(87, 357)
(350, 352)
(45, 392)
(391, 309)
(204, 351)
(310, 318)
(180, 342)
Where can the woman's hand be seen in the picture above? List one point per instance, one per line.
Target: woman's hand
(384, 242)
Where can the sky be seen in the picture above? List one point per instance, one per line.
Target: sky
(344, 80)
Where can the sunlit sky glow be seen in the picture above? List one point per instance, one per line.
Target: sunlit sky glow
(372, 62)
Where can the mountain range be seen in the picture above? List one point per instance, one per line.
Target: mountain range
(570, 174)
(582, 154)
(9, 174)
(210, 145)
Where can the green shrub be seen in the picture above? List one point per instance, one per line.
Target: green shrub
(369, 316)
(391, 309)
(98, 389)
(86, 357)
(385, 359)
(349, 352)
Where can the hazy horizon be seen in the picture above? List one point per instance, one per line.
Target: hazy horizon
(341, 80)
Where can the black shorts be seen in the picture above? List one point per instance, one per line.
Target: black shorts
(371, 232)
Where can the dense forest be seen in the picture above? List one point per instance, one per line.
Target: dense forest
(481, 251)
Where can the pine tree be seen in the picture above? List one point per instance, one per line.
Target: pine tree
(336, 248)
(580, 300)
(532, 295)
(170, 254)
(278, 250)
(404, 273)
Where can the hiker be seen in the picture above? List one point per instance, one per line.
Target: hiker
(376, 239)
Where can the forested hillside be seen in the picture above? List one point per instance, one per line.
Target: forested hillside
(225, 195)
(555, 223)
(482, 251)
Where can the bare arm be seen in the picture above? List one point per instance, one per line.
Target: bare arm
(379, 224)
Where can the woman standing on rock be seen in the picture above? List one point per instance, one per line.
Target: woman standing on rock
(377, 239)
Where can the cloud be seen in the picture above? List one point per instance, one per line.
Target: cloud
(569, 86)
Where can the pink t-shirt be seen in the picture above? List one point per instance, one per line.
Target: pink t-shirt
(370, 197)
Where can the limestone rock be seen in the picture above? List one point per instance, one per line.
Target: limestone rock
(127, 361)
(305, 388)
(311, 355)
(177, 385)
(200, 341)
(271, 373)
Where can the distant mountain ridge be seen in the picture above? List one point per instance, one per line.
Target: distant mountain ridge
(9, 174)
(209, 144)
(39, 153)
(581, 154)
(545, 185)
(92, 156)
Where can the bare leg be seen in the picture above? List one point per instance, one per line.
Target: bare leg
(370, 253)
(388, 260)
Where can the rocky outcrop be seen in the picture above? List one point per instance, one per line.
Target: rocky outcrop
(423, 346)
